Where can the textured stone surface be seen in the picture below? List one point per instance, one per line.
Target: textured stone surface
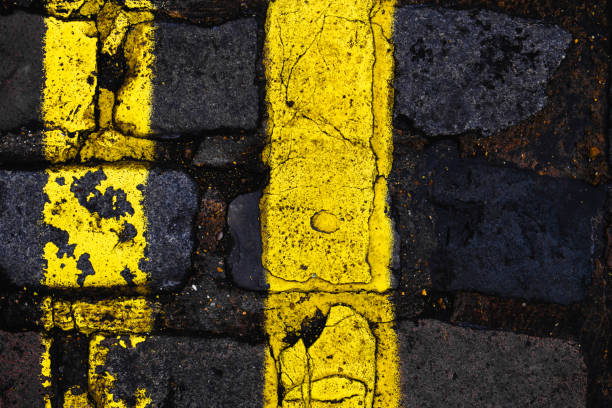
(22, 146)
(21, 205)
(21, 69)
(443, 365)
(245, 228)
(209, 303)
(221, 151)
(170, 206)
(460, 70)
(187, 372)
(513, 233)
(211, 89)
(20, 370)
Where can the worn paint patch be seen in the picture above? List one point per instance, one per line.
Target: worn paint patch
(119, 316)
(328, 66)
(111, 146)
(97, 223)
(133, 107)
(329, 348)
(101, 382)
(75, 398)
(45, 369)
(70, 83)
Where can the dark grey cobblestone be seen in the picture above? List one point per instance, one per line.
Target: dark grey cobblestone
(211, 89)
(188, 372)
(21, 70)
(444, 365)
(460, 70)
(20, 368)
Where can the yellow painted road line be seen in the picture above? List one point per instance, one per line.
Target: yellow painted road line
(327, 237)
(324, 213)
(70, 82)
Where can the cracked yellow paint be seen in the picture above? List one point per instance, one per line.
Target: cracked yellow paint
(101, 382)
(352, 360)
(70, 50)
(99, 217)
(329, 66)
(326, 231)
(133, 106)
(110, 144)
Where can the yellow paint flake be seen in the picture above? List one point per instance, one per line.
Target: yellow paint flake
(329, 149)
(101, 381)
(99, 215)
(70, 49)
(118, 316)
(352, 357)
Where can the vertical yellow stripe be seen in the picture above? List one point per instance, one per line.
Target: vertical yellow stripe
(70, 81)
(325, 226)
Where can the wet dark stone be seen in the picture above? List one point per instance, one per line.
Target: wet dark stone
(509, 232)
(21, 69)
(443, 365)
(185, 371)
(463, 70)
(244, 261)
(20, 368)
(212, 88)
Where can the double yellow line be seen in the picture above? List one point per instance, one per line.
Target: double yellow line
(326, 231)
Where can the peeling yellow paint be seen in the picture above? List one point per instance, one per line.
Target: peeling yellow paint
(134, 106)
(352, 360)
(102, 249)
(62, 315)
(111, 146)
(101, 381)
(125, 316)
(70, 49)
(329, 149)
(118, 316)
(45, 369)
(75, 398)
